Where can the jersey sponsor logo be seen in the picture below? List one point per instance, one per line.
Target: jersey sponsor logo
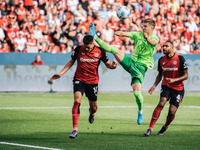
(170, 69)
(88, 60)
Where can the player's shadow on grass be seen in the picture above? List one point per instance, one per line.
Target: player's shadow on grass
(110, 134)
(161, 124)
(192, 125)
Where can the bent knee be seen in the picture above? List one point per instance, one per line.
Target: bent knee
(137, 94)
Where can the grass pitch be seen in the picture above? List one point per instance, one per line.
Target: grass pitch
(45, 120)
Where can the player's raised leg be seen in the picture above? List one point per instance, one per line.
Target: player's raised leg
(76, 113)
(119, 55)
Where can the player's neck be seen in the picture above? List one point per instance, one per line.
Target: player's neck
(150, 34)
(170, 55)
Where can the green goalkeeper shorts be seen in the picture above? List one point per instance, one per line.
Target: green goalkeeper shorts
(136, 70)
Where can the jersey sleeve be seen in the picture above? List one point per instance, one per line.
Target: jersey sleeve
(183, 64)
(104, 57)
(159, 66)
(134, 35)
(74, 55)
(155, 38)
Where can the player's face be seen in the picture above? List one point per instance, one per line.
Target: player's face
(38, 58)
(147, 28)
(89, 47)
(167, 48)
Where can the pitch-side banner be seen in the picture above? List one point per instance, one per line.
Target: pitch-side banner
(34, 78)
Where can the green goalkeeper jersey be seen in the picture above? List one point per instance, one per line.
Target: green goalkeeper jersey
(143, 51)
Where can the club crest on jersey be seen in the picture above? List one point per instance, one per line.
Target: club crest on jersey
(96, 55)
(163, 63)
(82, 53)
(175, 62)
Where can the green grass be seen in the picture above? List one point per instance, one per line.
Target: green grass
(114, 128)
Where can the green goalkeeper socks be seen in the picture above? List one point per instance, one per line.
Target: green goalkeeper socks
(139, 99)
(106, 47)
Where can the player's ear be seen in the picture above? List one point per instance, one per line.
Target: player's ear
(152, 27)
(173, 49)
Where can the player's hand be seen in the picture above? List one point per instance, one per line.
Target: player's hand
(170, 80)
(118, 33)
(151, 90)
(114, 64)
(55, 76)
(145, 35)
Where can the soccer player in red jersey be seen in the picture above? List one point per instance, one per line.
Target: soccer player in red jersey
(86, 77)
(37, 60)
(173, 69)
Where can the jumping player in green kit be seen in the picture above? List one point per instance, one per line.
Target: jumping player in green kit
(141, 60)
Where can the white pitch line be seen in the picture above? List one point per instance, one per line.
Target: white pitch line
(191, 106)
(31, 146)
(33, 107)
(86, 107)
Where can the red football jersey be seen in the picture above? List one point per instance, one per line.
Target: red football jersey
(22, 12)
(180, 27)
(158, 25)
(32, 42)
(117, 44)
(38, 63)
(171, 16)
(172, 68)
(12, 32)
(88, 63)
(35, 13)
(41, 23)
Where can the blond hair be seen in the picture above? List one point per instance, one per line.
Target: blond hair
(150, 21)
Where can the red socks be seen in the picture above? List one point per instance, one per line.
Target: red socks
(170, 118)
(155, 116)
(75, 115)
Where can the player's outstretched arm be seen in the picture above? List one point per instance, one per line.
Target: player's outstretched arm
(158, 79)
(63, 71)
(111, 65)
(120, 33)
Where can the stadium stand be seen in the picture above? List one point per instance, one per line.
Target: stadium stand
(62, 23)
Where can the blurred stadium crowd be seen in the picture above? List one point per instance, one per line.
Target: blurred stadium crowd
(57, 26)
